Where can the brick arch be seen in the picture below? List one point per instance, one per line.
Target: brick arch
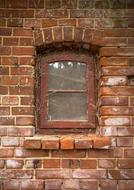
(68, 34)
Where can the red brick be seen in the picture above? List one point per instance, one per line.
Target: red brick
(53, 4)
(51, 163)
(32, 185)
(68, 33)
(5, 50)
(121, 174)
(89, 173)
(85, 22)
(22, 70)
(3, 131)
(118, 71)
(2, 163)
(4, 71)
(32, 23)
(70, 163)
(22, 32)
(69, 4)
(14, 4)
(114, 41)
(113, 51)
(11, 184)
(129, 153)
(10, 80)
(106, 163)
(23, 153)
(22, 90)
(78, 34)
(34, 163)
(4, 111)
(111, 153)
(9, 60)
(55, 13)
(108, 185)
(108, 131)
(14, 164)
(87, 36)
(117, 111)
(71, 184)
(10, 141)
(114, 61)
(23, 51)
(26, 81)
(10, 41)
(114, 101)
(7, 120)
(83, 143)
(50, 144)
(5, 31)
(113, 81)
(26, 42)
(88, 164)
(57, 32)
(123, 91)
(15, 22)
(88, 184)
(102, 142)
(36, 4)
(27, 61)
(67, 143)
(25, 121)
(48, 35)
(125, 131)
(16, 174)
(115, 121)
(22, 111)
(23, 13)
(53, 174)
(86, 4)
(3, 22)
(53, 184)
(49, 22)
(20, 131)
(132, 101)
(126, 184)
(6, 152)
(69, 154)
(125, 141)
(32, 144)
(118, 32)
(38, 37)
(3, 90)
(124, 164)
(67, 22)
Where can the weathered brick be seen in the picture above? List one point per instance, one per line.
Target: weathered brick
(32, 144)
(108, 184)
(121, 174)
(71, 184)
(89, 173)
(10, 141)
(10, 41)
(70, 163)
(11, 184)
(49, 22)
(53, 174)
(83, 143)
(32, 184)
(126, 184)
(114, 101)
(53, 184)
(6, 152)
(23, 51)
(16, 174)
(69, 153)
(14, 164)
(125, 164)
(129, 153)
(51, 144)
(88, 184)
(15, 22)
(106, 163)
(124, 141)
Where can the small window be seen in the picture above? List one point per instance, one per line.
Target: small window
(66, 91)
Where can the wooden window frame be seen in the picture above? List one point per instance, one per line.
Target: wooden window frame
(45, 124)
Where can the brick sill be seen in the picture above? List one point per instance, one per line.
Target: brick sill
(68, 142)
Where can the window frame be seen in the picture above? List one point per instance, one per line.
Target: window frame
(43, 82)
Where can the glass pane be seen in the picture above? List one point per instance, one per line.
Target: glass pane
(67, 106)
(67, 76)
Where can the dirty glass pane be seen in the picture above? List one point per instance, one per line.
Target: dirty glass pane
(67, 76)
(67, 106)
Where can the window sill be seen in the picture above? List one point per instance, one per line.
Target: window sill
(68, 142)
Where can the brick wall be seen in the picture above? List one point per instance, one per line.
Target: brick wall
(101, 161)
